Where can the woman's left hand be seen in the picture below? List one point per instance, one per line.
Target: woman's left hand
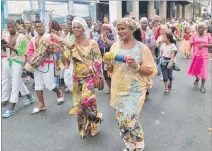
(86, 71)
(201, 46)
(131, 62)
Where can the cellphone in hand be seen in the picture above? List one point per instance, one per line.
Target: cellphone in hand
(3, 42)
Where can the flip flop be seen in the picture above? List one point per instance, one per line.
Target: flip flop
(202, 90)
(60, 101)
(196, 82)
(37, 110)
(166, 91)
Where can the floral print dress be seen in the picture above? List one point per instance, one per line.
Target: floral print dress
(83, 86)
(128, 93)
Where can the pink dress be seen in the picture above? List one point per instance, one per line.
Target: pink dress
(200, 62)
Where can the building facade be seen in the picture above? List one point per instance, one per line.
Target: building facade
(138, 9)
(113, 9)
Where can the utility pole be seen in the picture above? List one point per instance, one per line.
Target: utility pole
(2, 15)
(42, 9)
(200, 8)
(193, 9)
(71, 8)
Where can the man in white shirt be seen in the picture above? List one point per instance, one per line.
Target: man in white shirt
(90, 31)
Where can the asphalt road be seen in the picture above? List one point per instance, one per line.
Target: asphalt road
(175, 122)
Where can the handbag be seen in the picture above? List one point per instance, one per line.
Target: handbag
(98, 80)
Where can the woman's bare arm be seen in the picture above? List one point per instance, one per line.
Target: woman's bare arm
(67, 43)
(108, 42)
(208, 45)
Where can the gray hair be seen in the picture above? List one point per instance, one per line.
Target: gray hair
(143, 19)
(201, 24)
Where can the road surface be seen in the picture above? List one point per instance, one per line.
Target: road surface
(174, 122)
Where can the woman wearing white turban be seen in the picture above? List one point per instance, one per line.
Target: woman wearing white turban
(87, 60)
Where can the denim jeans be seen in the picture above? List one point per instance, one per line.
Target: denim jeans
(167, 73)
(157, 53)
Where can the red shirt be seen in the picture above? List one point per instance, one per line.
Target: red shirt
(157, 34)
(187, 36)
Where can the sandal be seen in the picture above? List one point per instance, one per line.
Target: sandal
(37, 110)
(74, 110)
(202, 90)
(108, 92)
(166, 91)
(94, 130)
(196, 82)
(60, 100)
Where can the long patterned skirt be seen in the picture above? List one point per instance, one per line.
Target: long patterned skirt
(127, 115)
(131, 131)
(85, 98)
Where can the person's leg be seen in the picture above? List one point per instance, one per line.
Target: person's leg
(130, 131)
(203, 90)
(40, 99)
(170, 77)
(32, 77)
(88, 117)
(108, 80)
(39, 86)
(5, 81)
(77, 93)
(61, 79)
(196, 80)
(25, 91)
(49, 83)
(165, 77)
(68, 78)
(15, 72)
(16, 82)
(157, 53)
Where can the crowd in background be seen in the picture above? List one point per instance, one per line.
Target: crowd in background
(80, 57)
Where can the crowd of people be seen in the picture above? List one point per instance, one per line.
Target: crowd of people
(78, 57)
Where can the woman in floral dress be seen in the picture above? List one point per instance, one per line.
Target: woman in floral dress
(87, 61)
(129, 83)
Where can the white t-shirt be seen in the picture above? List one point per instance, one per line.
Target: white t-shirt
(167, 49)
(89, 31)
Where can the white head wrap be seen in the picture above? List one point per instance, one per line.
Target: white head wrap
(80, 21)
(144, 19)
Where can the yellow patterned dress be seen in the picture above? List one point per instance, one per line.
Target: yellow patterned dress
(128, 92)
(83, 86)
